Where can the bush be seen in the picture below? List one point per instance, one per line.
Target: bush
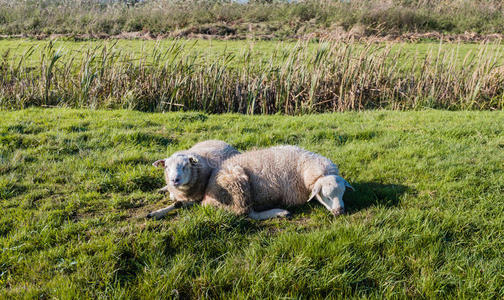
(164, 16)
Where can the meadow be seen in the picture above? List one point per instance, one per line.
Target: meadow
(251, 77)
(210, 50)
(405, 96)
(425, 220)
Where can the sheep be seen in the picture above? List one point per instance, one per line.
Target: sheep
(187, 172)
(256, 183)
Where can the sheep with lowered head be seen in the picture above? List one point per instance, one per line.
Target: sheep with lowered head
(258, 183)
(187, 172)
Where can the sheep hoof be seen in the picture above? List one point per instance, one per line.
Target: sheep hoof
(285, 214)
(154, 216)
(338, 211)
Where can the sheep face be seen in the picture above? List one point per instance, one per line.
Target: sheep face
(329, 191)
(178, 170)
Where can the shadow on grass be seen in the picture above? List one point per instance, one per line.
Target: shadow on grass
(207, 230)
(368, 194)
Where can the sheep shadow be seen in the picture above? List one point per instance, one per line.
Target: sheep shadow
(366, 194)
(207, 232)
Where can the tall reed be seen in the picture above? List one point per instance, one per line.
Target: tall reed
(328, 76)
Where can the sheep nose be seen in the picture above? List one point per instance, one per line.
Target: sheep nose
(338, 211)
(176, 181)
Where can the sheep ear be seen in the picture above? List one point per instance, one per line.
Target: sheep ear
(315, 192)
(159, 163)
(348, 186)
(193, 160)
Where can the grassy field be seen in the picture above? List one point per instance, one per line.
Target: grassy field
(208, 51)
(426, 219)
(250, 77)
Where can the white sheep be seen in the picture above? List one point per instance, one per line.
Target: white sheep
(258, 182)
(187, 172)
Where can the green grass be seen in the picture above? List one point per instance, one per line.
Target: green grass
(208, 51)
(426, 220)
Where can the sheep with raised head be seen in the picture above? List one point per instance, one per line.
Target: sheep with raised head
(258, 183)
(187, 172)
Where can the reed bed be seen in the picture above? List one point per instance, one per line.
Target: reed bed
(330, 76)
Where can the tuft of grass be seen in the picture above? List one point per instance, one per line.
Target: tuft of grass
(425, 220)
(300, 78)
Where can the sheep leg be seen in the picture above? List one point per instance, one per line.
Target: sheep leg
(268, 214)
(160, 213)
(163, 190)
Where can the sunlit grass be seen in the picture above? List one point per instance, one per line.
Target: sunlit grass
(208, 50)
(425, 221)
